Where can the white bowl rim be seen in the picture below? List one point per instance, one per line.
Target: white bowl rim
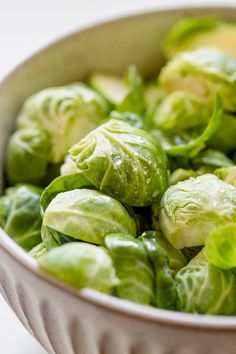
(120, 306)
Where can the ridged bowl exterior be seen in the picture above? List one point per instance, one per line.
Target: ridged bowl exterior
(62, 320)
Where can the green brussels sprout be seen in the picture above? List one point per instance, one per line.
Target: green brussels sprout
(181, 111)
(38, 251)
(81, 265)
(205, 289)
(220, 249)
(165, 289)
(227, 174)
(123, 162)
(68, 167)
(202, 73)
(65, 113)
(63, 184)
(199, 32)
(196, 144)
(127, 94)
(86, 215)
(131, 262)
(27, 156)
(20, 215)
(192, 209)
(175, 257)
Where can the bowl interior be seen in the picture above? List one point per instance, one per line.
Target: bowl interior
(107, 47)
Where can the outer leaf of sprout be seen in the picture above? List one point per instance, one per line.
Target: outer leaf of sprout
(80, 265)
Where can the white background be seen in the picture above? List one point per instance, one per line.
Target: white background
(25, 26)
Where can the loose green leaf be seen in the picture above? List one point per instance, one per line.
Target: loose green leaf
(199, 32)
(165, 289)
(132, 267)
(184, 32)
(220, 248)
(199, 143)
(63, 184)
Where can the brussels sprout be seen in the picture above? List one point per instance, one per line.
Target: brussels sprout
(181, 111)
(175, 257)
(81, 265)
(27, 156)
(195, 145)
(220, 249)
(125, 94)
(193, 33)
(202, 73)
(68, 167)
(132, 267)
(180, 175)
(38, 251)
(205, 289)
(192, 209)
(123, 162)
(65, 113)
(87, 215)
(63, 184)
(227, 174)
(20, 215)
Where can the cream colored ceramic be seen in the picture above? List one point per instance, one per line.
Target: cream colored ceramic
(69, 322)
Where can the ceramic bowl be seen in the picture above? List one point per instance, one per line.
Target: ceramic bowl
(87, 322)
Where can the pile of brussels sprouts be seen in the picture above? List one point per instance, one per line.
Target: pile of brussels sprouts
(129, 187)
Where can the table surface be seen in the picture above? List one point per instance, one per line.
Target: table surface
(26, 26)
